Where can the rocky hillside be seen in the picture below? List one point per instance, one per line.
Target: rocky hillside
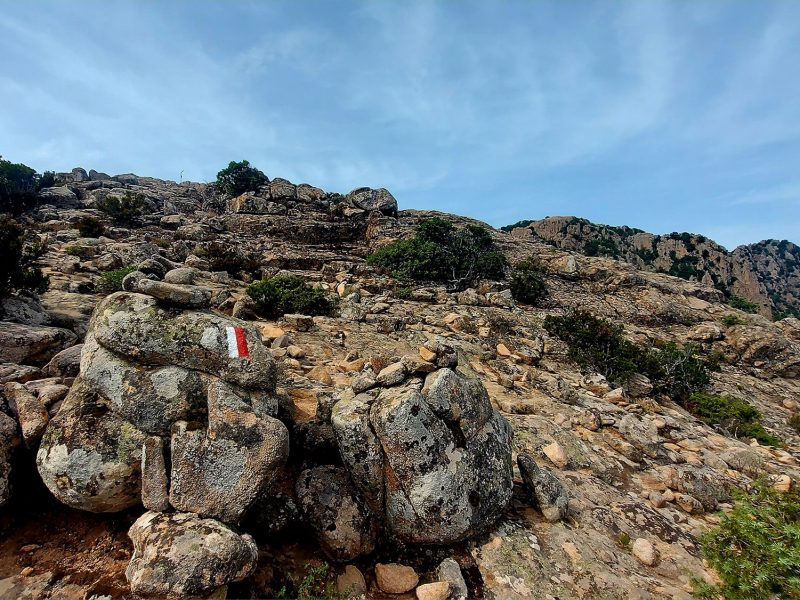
(766, 273)
(159, 438)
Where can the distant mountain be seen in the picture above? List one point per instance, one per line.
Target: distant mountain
(765, 274)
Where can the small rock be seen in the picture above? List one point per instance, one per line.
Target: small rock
(155, 487)
(31, 413)
(363, 382)
(295, 352)
(644, 552)
(439, 590)
(596, 384)
(321, 374)
(351, 583)
(448, 570)
(615, 396)
(502, 350)
(299, 322)
(555, 452)
(391, 375)
(26, 571)
(783, 483)
(395, 579)
(548, 493)
(657, 499)
(426, 354)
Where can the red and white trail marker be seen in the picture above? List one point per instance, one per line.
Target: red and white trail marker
(237, 343)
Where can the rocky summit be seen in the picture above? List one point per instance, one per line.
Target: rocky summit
(164, 435)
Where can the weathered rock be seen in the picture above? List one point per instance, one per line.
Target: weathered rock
(181, 555)
(370, 199)
(31, 413)
(66, 363)
(644, 551)
(344, 527)
(394, 374)
(19, 373)
(60, 197)
(9, 440)
(393, 578)
(181, 276)
(135, 326)
(638, 386)
(351, 582)
(88, 458)
(449, 571)
(171, 294)
(32, 344)
(548, 493)
(438, 590)
(155, 487)
(451, 475)
(459, 400)
(220, 470)
(555, 452)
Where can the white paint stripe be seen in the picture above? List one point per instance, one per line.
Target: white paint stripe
(233, 348)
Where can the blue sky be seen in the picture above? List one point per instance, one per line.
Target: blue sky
(664, 116)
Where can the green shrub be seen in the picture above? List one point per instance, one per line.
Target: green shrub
(239, 177)
(282, 294)
(794, 422)
(742, 304)
(440, 252)
(601, 247)
(18, 186)
(111, 281)
(599, 345)
(740, 418)
(124, 210)
(731, 320)
(224, 257)
(18, 270)
(523, 223)
(527, 282)
(89, 227)
(319, 583)
(755, 549)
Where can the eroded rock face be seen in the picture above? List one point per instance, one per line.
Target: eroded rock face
(178, 555)
(441, 464)
(89, 458)
(344, 527)
(9, 440)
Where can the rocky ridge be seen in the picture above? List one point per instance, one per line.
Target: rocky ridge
(447, 422)
(766, 273)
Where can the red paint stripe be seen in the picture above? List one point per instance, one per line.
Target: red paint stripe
(241, 341)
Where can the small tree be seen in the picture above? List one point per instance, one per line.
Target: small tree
(527, 282)
(18, 186)
(18, 270)
(89, 227)
(124, 210)
(239, 177)
(282, 294)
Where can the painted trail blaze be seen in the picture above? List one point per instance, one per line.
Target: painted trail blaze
(237, 343)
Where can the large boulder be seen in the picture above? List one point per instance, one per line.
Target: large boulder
(444, 468)
(373, 199)
(345, 528)
(180, 555)
(138, 327)
(60, 197)
(219, 471)
(89, 458)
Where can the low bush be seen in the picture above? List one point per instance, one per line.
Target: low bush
(89, 227)
(599, 345)
(238, 178)
(224, 257)
(527, 282)
(794, 422)
(731, 320)
(440, 252)
(111, 281)
(282, 294)
(124, 210)
(742, 304)
(740, 418)
(755, 549)
(319, 583)
(18, 269)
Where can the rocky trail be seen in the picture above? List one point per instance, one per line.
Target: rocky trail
(164, 440)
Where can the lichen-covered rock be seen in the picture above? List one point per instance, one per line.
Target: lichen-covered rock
(9, 440)
(172, 294)
(179, 555)
(546, 490)
(155, 485)
(135, 326)
(373, 199)
(31, 413)
(32, 344)
(88, 457)
(444, 468)
(218, 471)
(344, 527)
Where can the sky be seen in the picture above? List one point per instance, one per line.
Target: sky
(673, 116)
